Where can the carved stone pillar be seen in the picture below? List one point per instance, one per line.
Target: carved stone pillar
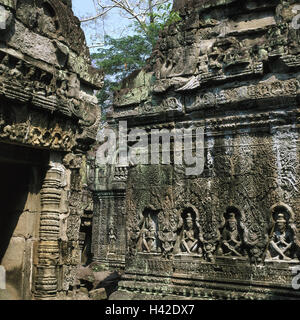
(46, 281)
(109, 219)
(108, 236)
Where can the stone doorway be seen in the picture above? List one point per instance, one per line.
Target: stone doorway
(21, 176)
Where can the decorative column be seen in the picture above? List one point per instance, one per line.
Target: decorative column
(46, 281)
(109, 219)
(109, 225)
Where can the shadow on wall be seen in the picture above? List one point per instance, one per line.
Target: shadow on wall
(14, 188)
(16, 183)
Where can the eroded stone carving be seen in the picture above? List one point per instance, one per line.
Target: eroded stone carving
(190, 235)
(47, 104)
(112, 239)
(232, 67)
(147, 240)
(46, 280)
(283, 243)
(231, 243)
(167, 236)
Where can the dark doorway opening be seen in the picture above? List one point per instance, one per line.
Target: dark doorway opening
(14, 188)
(22, 172)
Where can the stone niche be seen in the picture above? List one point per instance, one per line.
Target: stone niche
(232, 232)
(49, 118)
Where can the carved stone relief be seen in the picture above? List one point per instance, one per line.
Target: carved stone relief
(233, 69)
(189, 233)
(232, 235)
(283, 238)
(147, 238)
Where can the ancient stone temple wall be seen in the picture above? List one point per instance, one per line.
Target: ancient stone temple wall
(231, 68)
(108, 185)
(48, 120)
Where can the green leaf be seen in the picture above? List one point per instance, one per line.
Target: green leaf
(120, 57)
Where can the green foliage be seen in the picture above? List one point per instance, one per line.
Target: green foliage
(158, 20)
(120, 57)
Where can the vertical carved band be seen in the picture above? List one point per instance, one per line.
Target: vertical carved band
(48, 250)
